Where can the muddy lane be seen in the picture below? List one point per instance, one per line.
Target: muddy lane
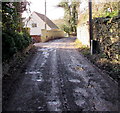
(59, 78)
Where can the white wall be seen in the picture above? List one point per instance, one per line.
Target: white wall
(40, 24)
(83, 34)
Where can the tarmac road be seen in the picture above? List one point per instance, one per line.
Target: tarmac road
(59, 78)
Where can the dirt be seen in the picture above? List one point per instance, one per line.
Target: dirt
(109, 67)
(56, 77)
(11, 70)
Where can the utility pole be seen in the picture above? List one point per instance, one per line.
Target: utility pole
(90, 25)
(45, 16)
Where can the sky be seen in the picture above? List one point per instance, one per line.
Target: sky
(53, 12)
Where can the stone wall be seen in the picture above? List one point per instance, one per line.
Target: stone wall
(107, 32)
(51, 34)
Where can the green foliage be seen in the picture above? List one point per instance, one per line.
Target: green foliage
(65, 28)
(82, 48)
(14, 42)
(27, 39)
(70, 15)
(8, 46)
(19, 41)
(109, 9)
(12, 15)
(106, 31)
(111, 14)
(14, 37)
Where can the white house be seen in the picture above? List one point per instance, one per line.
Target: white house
(36, 22)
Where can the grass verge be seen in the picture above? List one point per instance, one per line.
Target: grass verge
(111, 67)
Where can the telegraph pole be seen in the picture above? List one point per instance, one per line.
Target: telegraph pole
(45, 15)
(90, 24)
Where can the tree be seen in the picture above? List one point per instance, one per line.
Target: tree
(70, 14)
(12, 15)
(14, 37)
(109, 9)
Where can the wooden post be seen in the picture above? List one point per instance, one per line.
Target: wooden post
(90, 24)
(45, 16)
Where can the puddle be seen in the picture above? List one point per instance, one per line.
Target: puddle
(75, 80)
(46, 54)
(43, 49)
(80, 102)
(39, 107)
(51, 49)
(33, 72)
(54, 105)
(39, 80)
(82, 91)
(37, 76)
(43, 63)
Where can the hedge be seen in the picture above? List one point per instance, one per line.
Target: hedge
(13, 42)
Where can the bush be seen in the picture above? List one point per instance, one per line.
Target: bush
(8, 46)
(65, 28)
(18, 41)
(14, 42)
(27, 39)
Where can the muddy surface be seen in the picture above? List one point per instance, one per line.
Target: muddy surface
(58, 78)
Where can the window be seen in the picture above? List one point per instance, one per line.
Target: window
(34, 25)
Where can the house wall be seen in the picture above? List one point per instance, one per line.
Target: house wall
(83, 26)
(40, 25)
(83, 34)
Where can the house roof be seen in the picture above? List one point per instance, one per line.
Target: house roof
(48, 21)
